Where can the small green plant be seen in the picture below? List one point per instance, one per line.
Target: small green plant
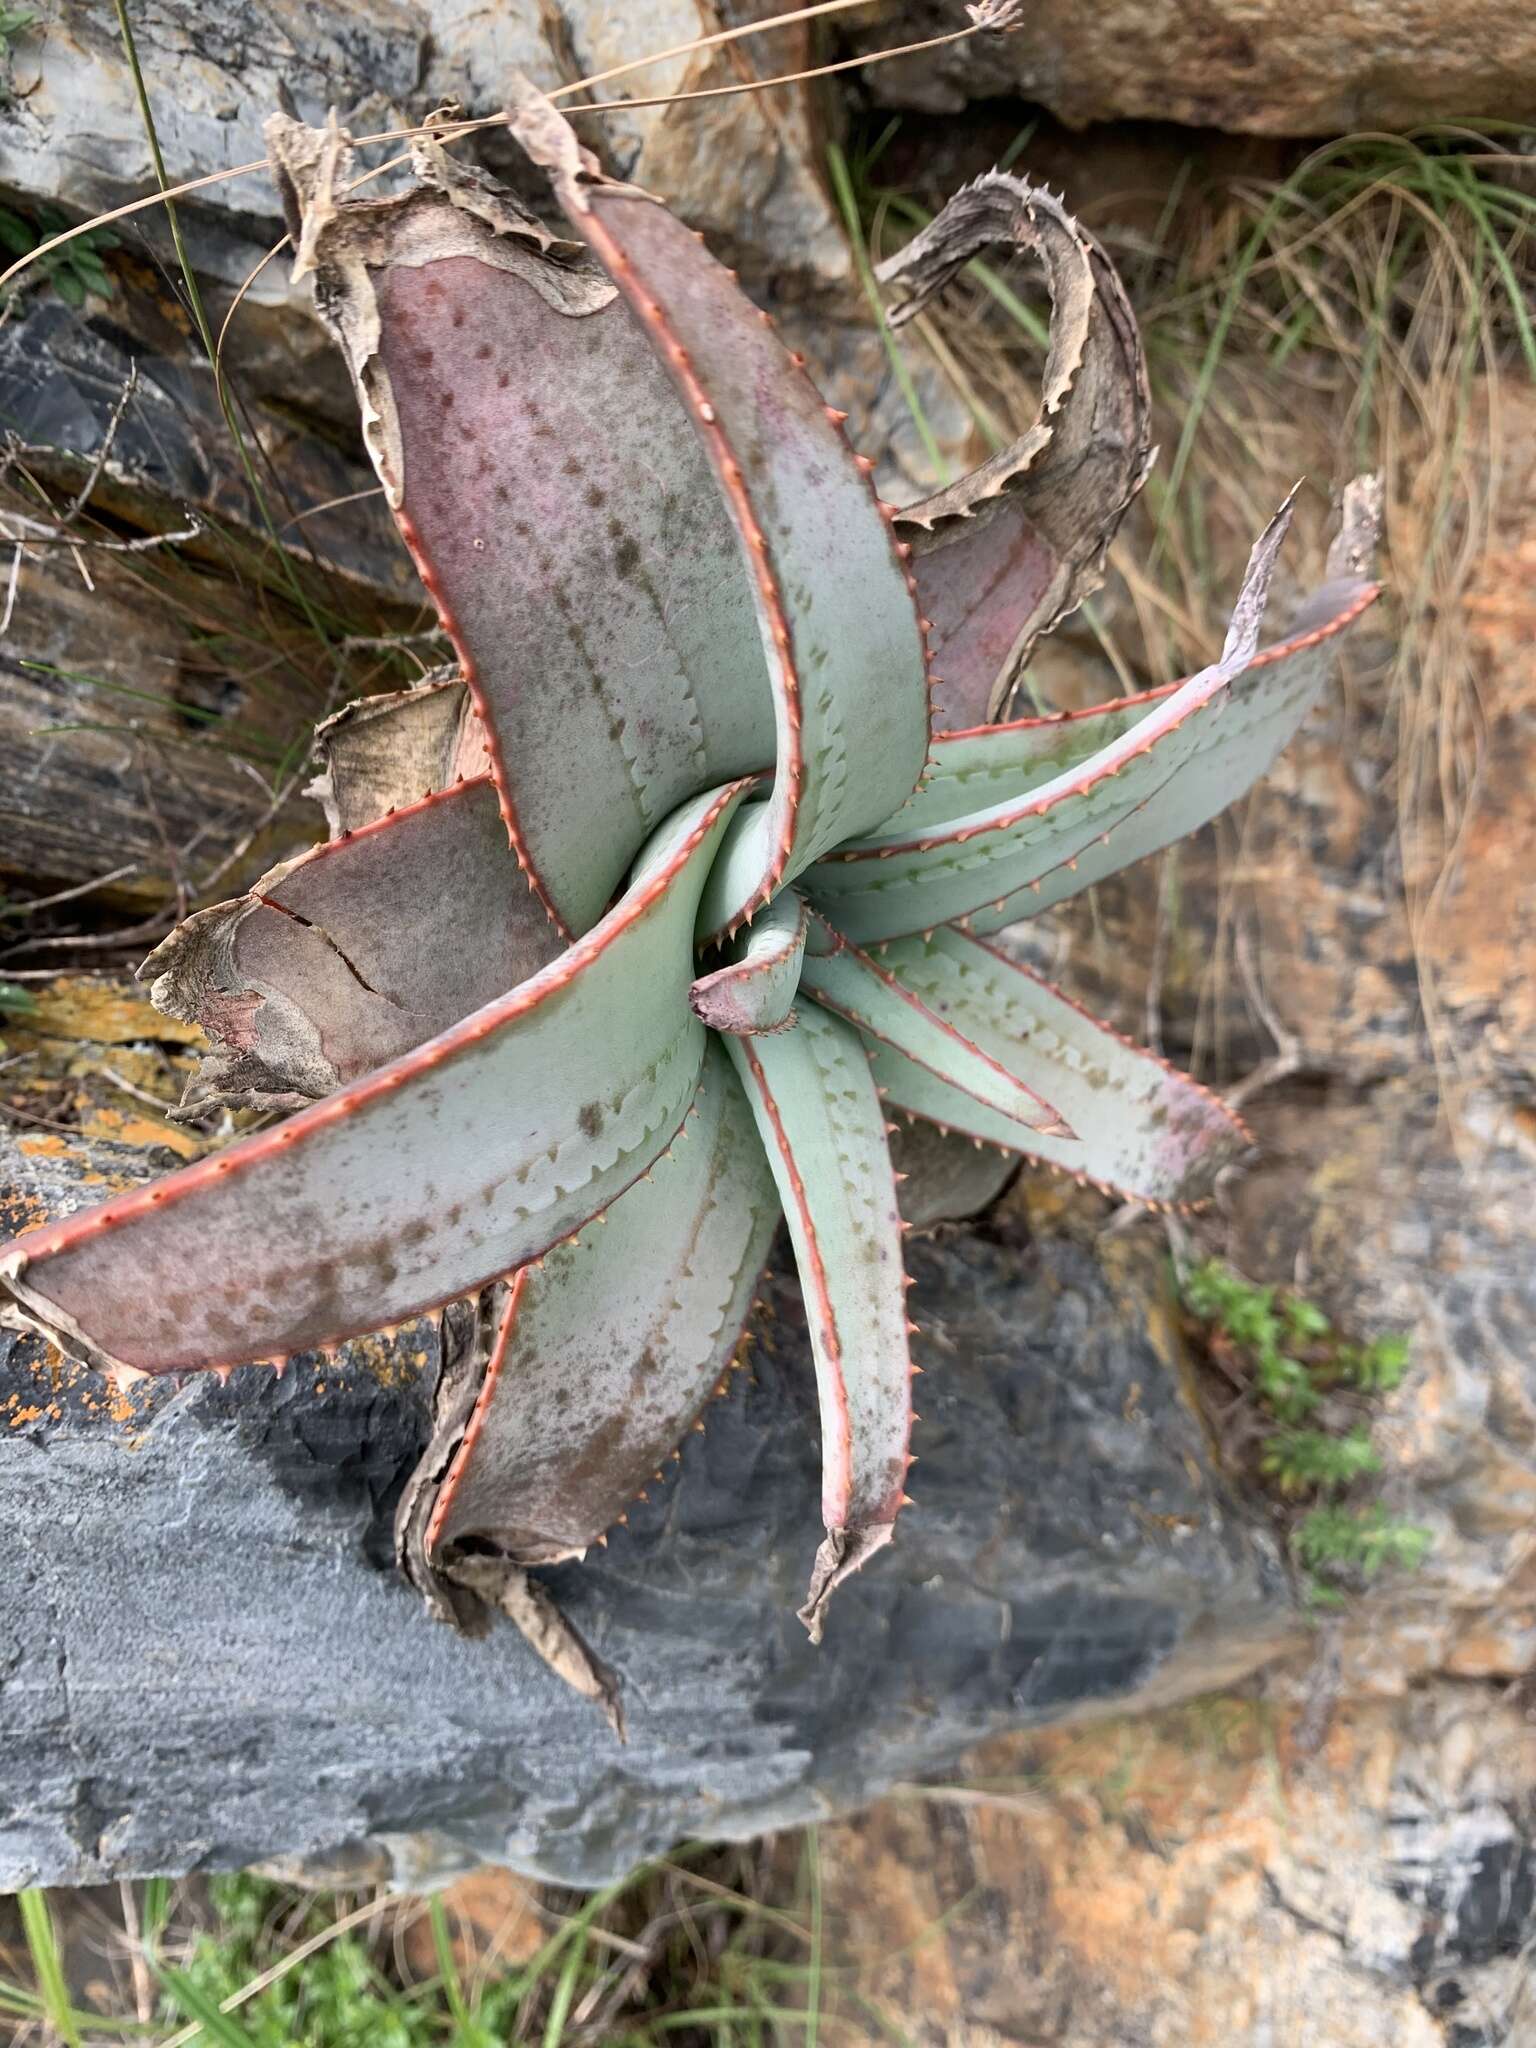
(1266, 1326)
(341, 1996)
(1295, 1353)
(13, 20)
(1312, 1461)
(1367, 1540)
(1300, 1367)
(15, 1001)
(75, 270)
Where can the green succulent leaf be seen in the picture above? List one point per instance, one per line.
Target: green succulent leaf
(903, 881)
(973, 771)
(824, 1132)
(969, 772)
(1263, 711)
(755, 992)
(866, 993)
(428, 1178)
(614, 1343)
(560, 508)
(1230, 755)
(833, 595)
(1139, 1126)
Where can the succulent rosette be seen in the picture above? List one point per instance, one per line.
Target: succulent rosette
(631, 933)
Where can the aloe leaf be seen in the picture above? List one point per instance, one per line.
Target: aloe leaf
(968, 771)
(945, 1176)
(832, 589)
(971, 771)
(865, 993)
(1010, 549)
(824, 1132)
(904, 881)
(354, 953)
(1268, 703)
(560, 510)
(379, 754)
(430, 1177)
(755, 991)
(613, 1345)
(1140, 1128)
(1271, 699)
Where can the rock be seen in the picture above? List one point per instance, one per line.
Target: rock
(742, 167)
(159, 674)
(116, 768)
(1261, 66)
(163, 459)
(208, 1659)
(1384, 986)
(1201, 1877)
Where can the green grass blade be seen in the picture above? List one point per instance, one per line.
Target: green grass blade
(842, 185)
(43, 1947)
(813, 1960)
(565, 1993)
(196, 2005)
(1515, 294)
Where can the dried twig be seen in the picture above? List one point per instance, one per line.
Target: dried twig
(10, 590)
(78, 502)
(1290, 1054)
(39, 533)
(68, 895)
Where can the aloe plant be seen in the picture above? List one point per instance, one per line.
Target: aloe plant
(631, 932)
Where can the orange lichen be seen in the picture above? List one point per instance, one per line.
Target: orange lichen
(104, 1013)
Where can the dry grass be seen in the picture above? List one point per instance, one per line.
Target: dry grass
(1369, 310)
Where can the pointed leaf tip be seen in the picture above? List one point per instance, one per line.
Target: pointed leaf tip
(842, 1553)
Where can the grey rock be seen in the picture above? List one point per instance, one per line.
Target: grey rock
(1261, 67)
(140, 691)
(207, 1659)
(163, 457)
(72, 134)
